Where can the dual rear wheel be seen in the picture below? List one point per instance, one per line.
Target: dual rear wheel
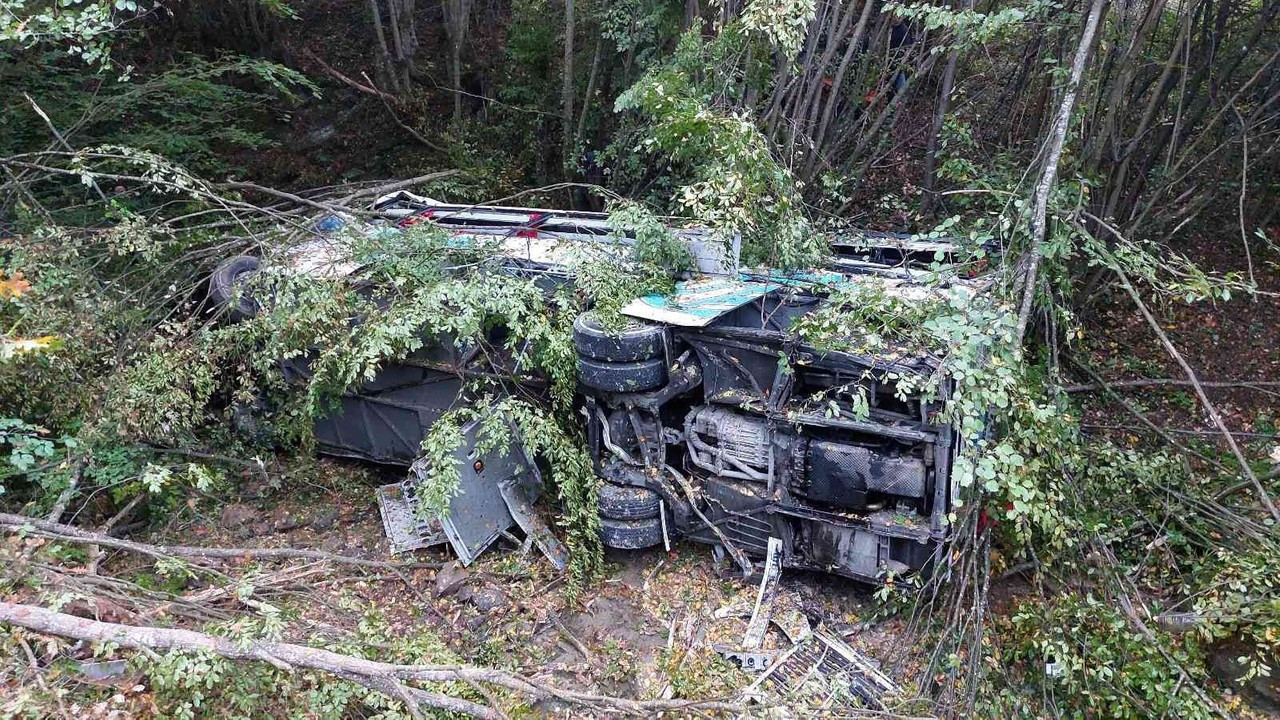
(626, 360)
(630, 517)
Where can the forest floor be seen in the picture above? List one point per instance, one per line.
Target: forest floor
(647, 630)
(1233, 341)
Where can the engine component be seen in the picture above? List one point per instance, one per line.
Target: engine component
(633, 342)
(622, 377)
(628, 503)
(727, 443)
(842, 474)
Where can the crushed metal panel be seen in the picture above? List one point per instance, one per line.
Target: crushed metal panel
(479, 513)
(697, 302)
(496, 490)
(519, 498)
(477, 517)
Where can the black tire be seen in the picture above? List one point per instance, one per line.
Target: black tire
(631, 343)
(628, 503)
(222, 286)
(247, 421)
(622, 377)
(631, 534)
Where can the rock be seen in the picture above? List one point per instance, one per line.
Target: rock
(324, 522)
(489, 599)
(1261, 692)
(236, 515)
(449, 578)
(284, 520)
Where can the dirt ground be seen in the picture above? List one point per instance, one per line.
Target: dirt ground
(649, 629)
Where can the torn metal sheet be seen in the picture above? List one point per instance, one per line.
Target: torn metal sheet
(519, 499)
(750, 656)
(765, 598)
(697, 302)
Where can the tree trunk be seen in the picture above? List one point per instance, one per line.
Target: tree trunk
(587, 96)
(566, 93)
(457, 15)
(854, 48)
(939, 117)
(691, 14)
(385, 60)
(1049, 173)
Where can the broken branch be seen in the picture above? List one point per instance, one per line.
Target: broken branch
(44, 528)
(377, 675)
(1168, 382)
(1209, 407)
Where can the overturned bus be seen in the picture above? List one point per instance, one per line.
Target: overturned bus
(699, 413)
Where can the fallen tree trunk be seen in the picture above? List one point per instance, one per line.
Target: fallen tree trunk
(286, 656)
(1170, 382)
(387, 678)
(46, 529)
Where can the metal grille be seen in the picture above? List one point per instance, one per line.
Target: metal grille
(749, 532)
(406, 528)
(824, 670)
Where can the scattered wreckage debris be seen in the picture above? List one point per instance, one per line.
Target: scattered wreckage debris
(819, 669)
(496, 492)
(706, 417)
(824, 671)
(768, 594)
